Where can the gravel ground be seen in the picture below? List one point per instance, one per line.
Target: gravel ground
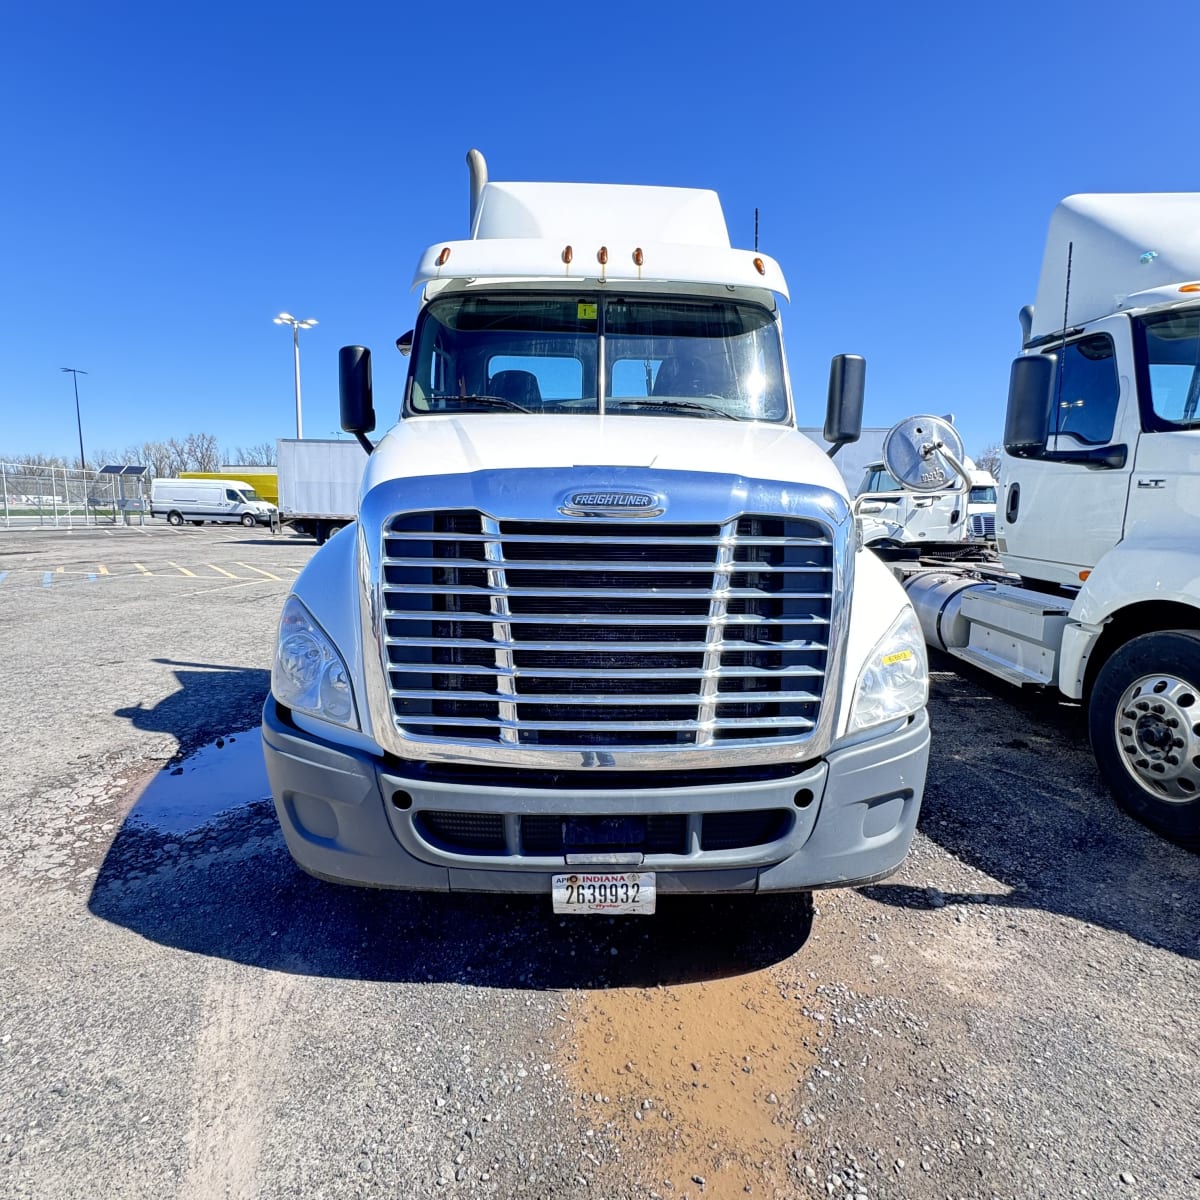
(183, 1013)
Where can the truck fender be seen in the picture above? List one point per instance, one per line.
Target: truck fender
(1138, 587)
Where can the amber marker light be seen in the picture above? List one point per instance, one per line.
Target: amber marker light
(760, 266)
(638, 257)
(444, 256)
(602, 256)
(567, 255)
(1190, 287)
(1083, 576)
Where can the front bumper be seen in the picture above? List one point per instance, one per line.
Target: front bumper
(352, 818)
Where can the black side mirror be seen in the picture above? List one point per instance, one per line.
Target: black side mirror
(355, 394)
(1030, 397)
(843, 412)
(404, 343)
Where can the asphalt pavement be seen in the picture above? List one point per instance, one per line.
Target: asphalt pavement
(185, 1014)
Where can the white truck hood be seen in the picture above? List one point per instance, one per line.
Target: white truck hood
(452, 445)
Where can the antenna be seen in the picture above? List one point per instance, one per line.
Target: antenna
(756, 228)
(1062, 353)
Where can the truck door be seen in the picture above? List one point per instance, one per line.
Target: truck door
(1057, 517)
(1164, 495)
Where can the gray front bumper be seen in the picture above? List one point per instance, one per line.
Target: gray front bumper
(340, 823)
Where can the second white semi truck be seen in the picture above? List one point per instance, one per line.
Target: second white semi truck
(1098, 499)
(605, 629)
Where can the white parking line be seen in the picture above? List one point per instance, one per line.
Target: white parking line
(277, 578)
(228, 587)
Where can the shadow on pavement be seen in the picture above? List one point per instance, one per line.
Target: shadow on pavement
(211, 701)
(1027, 807)
(231, 890)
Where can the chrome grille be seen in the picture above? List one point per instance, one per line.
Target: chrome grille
(983, 526)
(593, 634)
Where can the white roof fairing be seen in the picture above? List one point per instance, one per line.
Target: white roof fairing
(522, 231)
(1121, 244)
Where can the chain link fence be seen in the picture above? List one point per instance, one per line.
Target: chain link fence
(59, 497)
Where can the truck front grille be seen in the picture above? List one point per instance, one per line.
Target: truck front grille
(605, 634)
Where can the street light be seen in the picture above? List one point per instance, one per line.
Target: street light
(74, 372)
(307, 323)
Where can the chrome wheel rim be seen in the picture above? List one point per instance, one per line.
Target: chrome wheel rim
(1157, 729)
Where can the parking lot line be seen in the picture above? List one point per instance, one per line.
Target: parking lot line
(183, 570)
(103, 569)
(143, 569)
(277, 578)
(221, 570)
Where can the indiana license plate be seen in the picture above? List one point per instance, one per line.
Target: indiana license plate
(605, 892)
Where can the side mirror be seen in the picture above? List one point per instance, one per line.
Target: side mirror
(404, 343)
(1030, 398)
(355, 394)
(843, 411)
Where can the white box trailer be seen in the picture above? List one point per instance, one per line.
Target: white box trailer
(319, 482)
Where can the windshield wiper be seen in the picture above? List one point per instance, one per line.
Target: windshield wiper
(696, 406)
(493, 401)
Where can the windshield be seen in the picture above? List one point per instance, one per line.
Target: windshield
(249, 495)
(982, 495)
(1170, 345)
(533, 352)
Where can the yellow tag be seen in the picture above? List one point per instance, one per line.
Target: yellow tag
(587, 312)
(899, 656)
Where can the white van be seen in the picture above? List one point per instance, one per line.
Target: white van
(200, 500)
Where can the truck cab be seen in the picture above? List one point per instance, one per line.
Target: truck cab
(1099, 490)
(604, 630)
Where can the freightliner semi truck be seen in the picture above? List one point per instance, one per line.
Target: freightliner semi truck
(1098, 594)
(603, 629)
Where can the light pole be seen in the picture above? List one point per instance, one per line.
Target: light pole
(307, 323)
(74, 372)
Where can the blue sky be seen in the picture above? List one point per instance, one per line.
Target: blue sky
(177, 175)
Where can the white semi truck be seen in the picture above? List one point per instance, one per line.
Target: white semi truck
(948, 521)
(604, 630)
(1100, 596)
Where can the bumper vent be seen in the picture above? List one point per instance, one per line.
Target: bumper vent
(553, 836)
(605, 635)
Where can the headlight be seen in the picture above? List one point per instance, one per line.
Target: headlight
(309, 673)
(895, 680)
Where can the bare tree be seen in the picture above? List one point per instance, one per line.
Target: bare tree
(261, 454)
(990, 458)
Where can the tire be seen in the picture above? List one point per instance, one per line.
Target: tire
(248, 520)
(175, 519)
(1144, 725)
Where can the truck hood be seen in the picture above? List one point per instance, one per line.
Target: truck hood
(453, 445)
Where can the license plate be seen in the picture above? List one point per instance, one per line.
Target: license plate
(607, 892)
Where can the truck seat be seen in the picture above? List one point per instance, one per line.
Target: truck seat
(521, 387)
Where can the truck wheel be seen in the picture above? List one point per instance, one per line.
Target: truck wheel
(248, 520)
(1144, 725)
(174, 519)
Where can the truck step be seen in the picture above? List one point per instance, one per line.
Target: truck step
(993, 664)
